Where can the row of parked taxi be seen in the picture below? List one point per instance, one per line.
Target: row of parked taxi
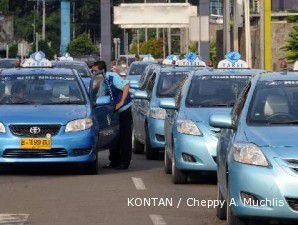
(236, 121)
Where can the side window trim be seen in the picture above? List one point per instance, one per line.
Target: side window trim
(239, 105)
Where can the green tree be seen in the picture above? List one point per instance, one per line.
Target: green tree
(152, 46)
(44, 46)
(82, 45)
(291, 47)
(213, 53)
(13, 51)
(4, 6)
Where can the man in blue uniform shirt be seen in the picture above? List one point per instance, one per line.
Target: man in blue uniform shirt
(113, 83)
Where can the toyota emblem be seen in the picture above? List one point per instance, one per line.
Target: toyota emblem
(35, 130)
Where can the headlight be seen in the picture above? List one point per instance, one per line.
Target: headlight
(188, 127)
(158, 113)
(79, 125)
(249, 153)
(2, 128)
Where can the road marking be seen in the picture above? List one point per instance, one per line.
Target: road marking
(157, 220)
(138, 182)
(16, 219)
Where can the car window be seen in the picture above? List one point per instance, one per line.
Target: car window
(238, 107)
(82, 69)
(40, 90)
(150, 84)
(215, 91)
(274, 102)
(170, 83)
(147, 72)
(7, 64)
(137, 69)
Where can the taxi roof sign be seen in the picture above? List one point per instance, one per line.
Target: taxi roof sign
(171, 59)
(191, 59)
(233, 61)
(148, 58)
(37, 59)
(295, 68)
(66, 57)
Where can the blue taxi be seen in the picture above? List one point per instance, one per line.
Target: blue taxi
(47, 116)
(190, 143)
(136, 70)
(257, 152)
(79, 66)
(148, 117)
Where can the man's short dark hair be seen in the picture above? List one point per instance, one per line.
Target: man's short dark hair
(101, 65)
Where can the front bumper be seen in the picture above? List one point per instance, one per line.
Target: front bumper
(79, 147)
(202, 149)
(156, 133)
(271, 186)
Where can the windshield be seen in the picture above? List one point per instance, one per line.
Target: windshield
(7, 64)
(170, 83)
(137, 69)
(274, 102)
(82, 69)
(40, 90)
(215, 91)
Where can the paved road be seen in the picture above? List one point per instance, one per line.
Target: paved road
(43, 196)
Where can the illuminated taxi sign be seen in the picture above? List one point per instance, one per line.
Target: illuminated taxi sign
(295, 68)
(191, 59)
(148, 58)
(66, 57)
(170, 60)
(37, 59)
(232, 61)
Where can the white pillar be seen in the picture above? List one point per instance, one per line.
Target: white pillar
(247, 33)
(227, 27)
(169, 41)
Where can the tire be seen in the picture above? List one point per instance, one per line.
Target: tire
(167, 163)
(231, 218)
(178, 177)
(92, 168)
(137, 147)
(151, 154)
(221, 213)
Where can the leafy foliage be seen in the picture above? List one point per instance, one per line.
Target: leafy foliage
(13, 51)
(152, 46)
(44, 46)
(82, 45)
(4, 6)
(291, 47)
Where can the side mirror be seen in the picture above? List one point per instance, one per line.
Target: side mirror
(141, 95)
(103, 100)
(168, 103)
(134, 85)
(221, 121)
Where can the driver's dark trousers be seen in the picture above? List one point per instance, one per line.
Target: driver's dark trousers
(121, 153)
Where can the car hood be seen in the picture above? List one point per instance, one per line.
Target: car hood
(285, 136)
(40, 114)
(202, 115)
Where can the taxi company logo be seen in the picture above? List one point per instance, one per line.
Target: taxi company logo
(34, 130)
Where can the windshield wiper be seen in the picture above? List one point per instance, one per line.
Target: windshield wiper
(283, 122)
(217, 105)
(64, 103)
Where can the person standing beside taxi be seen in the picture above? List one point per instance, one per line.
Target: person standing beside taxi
(118, 88)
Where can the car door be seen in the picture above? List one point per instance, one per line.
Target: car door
(227, 139)
(172, 115)
(144, 106)
(108, 119)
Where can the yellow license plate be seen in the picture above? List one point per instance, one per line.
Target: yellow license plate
(36, 143)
